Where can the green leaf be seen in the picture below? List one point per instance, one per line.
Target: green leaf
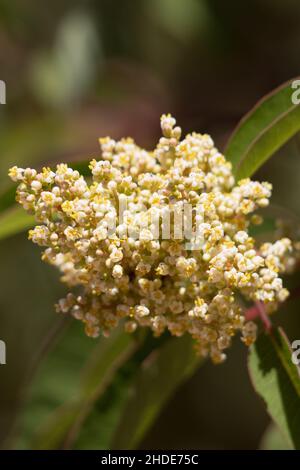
(13, 221)
(99, 426)
(63, 426)
(267, 227)
(76, 370)
(274, 440)
(75, 407)
(7, 198)
(55, 380)
(277, 380)
(271, 123)
(161, 373)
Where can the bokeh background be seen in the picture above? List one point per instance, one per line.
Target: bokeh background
(78, 70)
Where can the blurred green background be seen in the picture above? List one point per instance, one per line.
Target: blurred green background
(78, 70)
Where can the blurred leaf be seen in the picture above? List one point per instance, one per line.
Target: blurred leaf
(56, 381)
(274, 440)
(62, 75)
(100, 424)
(28, 292)
(182, 19)
(161, 373)
(277, 380)
(13, 221)
(59, 383)
(7, 198)
(106, 359)
(28, 142)
(268, 226)
(273, 121)
(62, 427)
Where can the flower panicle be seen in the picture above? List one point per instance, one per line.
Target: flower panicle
(157, 282)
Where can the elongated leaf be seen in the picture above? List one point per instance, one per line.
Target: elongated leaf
(7, 198)
(273, 439)
(60, 389)
(55, 381)
(13, 221)
(88, 419)
(62, 427)
(277, 380)
(161, 373)
(100, 423)
(271, 123)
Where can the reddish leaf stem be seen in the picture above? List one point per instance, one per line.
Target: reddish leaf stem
(258, 310)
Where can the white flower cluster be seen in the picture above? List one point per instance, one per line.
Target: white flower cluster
(157, 283)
